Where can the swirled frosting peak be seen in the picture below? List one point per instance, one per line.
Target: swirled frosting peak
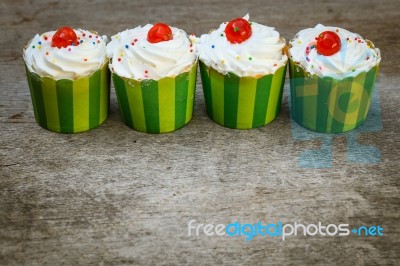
(69, 62)
(260, 54)
(356, 55)
(133, 56)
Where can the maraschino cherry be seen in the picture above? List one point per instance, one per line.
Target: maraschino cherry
(64, 36)
(160, 32)
(328, 43)
(238, 30)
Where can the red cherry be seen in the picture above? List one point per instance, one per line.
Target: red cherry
(160, 32)
(238, 30)
(328, 43)
(64, 37)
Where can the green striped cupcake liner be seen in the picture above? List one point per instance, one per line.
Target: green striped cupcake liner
(242, 102)
(156, 106)
(70, 106)
(329, 105)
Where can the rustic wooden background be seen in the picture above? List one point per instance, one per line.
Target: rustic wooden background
(116, 196)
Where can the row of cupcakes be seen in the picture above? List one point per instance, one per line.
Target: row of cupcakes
(242, 66)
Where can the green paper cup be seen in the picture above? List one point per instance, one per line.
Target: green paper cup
(329, 105)
(242, 102)
(70, 106)
(156, 106)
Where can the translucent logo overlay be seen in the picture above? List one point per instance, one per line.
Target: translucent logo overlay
(357, 153)
(281, 230)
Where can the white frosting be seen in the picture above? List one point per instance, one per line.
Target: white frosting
(134, 57)
(66, 63)
(354, 57)
(261, 54)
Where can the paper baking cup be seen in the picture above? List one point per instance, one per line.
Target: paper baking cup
(242, 102)
(70, 106)
(156, 106)
(329, 105)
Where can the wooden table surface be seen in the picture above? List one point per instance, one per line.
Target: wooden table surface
(116, 196)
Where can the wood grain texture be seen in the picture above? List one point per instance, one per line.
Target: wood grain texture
(116, 196)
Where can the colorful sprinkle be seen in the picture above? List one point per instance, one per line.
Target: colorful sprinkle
(33, 46)
(69, 49)
(367, 57)
(81, 41)
(83, 34)
(275, 65)
(135, 40)
(94, 43)
(45, 38)
(250, 58)
(85, 59)
(47, 53)
(213, 46)
(222, 35)
(39, 43)
(119, 59)
(126, 46)
(133, 43)
(308, 59)
(90, 36)
(98, 41)
(238, 57)
(146, 71)
(191, 50)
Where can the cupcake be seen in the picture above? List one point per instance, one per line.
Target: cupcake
(332, 76)
(154, 73)
(242, 66)
(68, 79)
